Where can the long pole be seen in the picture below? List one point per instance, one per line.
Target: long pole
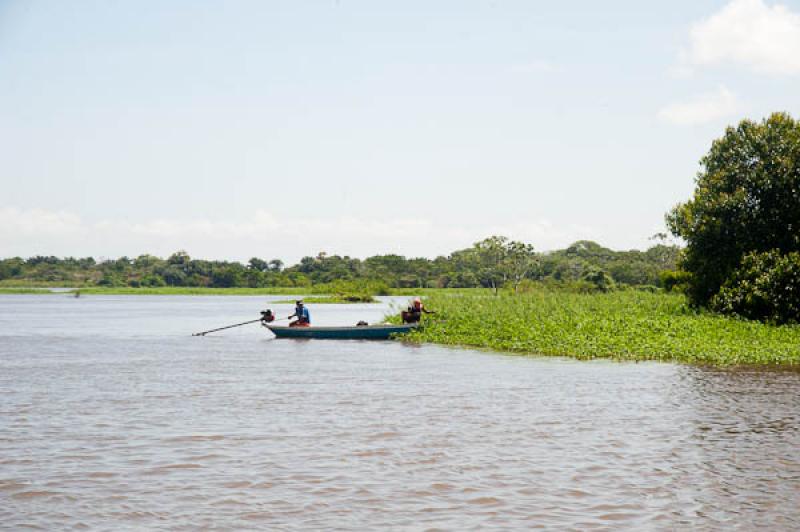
(226, 327)
(232, 326)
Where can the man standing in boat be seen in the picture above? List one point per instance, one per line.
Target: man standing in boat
(302, 315)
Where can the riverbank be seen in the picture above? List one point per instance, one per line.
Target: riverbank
(157, 291)
(316, 290)
(624, 325)
(191, 291)
(21, 290)
(332, 299)
(316, 297)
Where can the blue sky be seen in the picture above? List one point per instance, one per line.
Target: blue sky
(279, 129)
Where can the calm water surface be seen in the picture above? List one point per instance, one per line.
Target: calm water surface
(113, 417)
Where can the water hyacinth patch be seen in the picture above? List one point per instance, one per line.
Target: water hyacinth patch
(625, 325)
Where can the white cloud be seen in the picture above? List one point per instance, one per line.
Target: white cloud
(764, 38)
(40, 232)
(25, 224)
(702, 109)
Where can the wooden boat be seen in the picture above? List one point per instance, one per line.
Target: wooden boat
(358, 332)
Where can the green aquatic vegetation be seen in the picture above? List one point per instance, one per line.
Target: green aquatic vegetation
(189, 291)
(431, 291)
(333, 299)
(354, 293)
(21, 290)
(625, 325)
(323, 292)
(26, 283)
(352, 288)
(345, 291)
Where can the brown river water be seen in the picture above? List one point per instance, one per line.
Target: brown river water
(113, 417)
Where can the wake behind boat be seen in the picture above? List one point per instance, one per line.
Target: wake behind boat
(357, 332)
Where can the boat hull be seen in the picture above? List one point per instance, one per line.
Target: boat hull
(366, 332)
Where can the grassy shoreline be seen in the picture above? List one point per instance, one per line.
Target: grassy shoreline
(326, 300)
(26, 290)
(161, 291)
(204, 291)
(625, 325)
(309, 294)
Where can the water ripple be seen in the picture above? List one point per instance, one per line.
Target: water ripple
(163, 431)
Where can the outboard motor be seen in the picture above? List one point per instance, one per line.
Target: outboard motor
(267, 316)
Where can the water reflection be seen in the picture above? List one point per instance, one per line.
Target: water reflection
(114, 417)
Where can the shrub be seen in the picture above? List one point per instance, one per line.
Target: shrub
(111, 279)
(766, 286)
(645, 288)
(357, 287)
(676, 281)
(600, 279)
(153, 280)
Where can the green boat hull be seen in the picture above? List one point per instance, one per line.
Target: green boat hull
(366, 332)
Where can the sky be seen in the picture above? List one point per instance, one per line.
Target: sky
(281, 129)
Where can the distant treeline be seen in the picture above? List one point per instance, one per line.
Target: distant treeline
(493, 262)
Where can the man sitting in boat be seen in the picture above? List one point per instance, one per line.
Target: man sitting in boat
(302, 315)
(414, 312)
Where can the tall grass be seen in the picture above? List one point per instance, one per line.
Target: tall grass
(22, 290)
(25, 283)
(346, 290)
(627, 325)
(331, 299)
(191, 291)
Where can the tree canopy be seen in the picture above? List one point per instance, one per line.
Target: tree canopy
(491, 263)
(747, 200)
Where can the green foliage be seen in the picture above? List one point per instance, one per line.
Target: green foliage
(623, 324)
(325, 269)
(111, 279)
(676, 281)
(632, 267)
(190, 291)
(494, 262)
(747, 200)
(259, 265)
(228, 276)
(354, 291)
(488, 257)
(153, 280)
(549, 284)
(464, 279)
(765, 287)
(9, 290)
(599, 279)
(331, 299)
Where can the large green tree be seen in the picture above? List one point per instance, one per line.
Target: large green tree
(747, 200)
(497, 260)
